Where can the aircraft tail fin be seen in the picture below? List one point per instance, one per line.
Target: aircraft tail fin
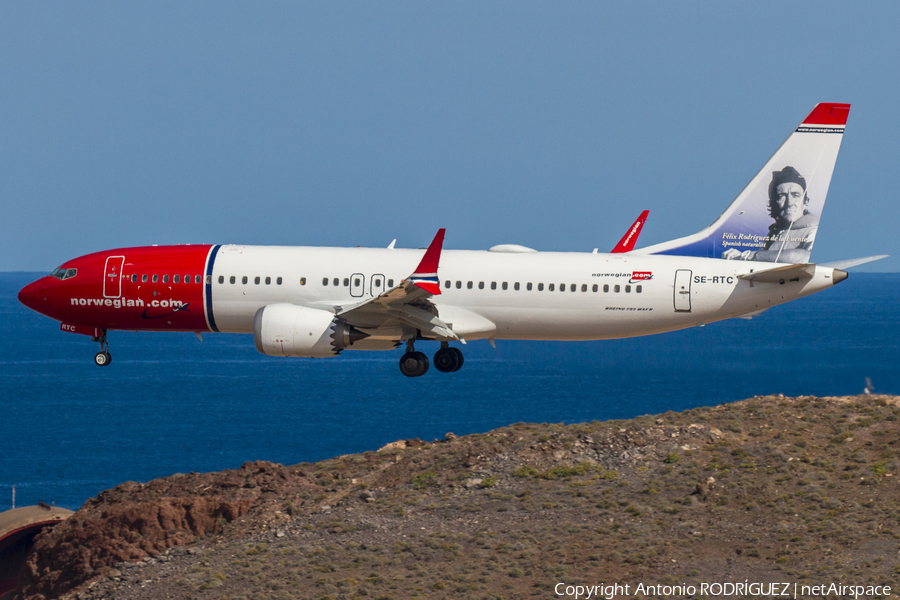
(775, 218)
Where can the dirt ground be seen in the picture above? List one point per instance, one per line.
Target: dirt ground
(766, 490)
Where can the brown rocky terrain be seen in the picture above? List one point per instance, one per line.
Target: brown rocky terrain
(769, 489)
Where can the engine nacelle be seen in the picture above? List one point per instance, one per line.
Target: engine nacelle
(291, 330)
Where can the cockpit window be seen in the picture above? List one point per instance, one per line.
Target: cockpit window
(62, 273)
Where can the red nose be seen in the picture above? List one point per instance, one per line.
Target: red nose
(30, 295)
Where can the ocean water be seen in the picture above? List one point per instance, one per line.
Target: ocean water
(170, 403)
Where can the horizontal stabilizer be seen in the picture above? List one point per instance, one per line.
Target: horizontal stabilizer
(854, 262)
(781, 274)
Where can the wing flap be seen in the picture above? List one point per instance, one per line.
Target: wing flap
(427, 322)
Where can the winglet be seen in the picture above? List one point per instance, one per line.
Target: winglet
(626, 244)
(425, 275)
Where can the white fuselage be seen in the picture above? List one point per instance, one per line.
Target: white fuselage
(507, 295)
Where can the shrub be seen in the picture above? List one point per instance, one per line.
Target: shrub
(525, 471)
(424, 480)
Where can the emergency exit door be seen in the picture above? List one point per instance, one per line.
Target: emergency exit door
(682, 290)
(357, 285)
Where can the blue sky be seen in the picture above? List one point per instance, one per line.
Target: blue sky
(352, 123)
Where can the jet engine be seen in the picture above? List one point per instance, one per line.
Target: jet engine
(291, 330)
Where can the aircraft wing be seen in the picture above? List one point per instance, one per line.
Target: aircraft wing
(408, 303)
(626, 244)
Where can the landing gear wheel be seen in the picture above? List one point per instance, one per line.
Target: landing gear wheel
(102, 358)
(459, 356)
(446, 360)
(414, 364)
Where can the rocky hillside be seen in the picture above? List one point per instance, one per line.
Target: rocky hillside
(767, 489)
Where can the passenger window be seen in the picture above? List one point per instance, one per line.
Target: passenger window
(256, 280)
(208, 279)
(198, 278)
(516, 286)
(595, 287)
(278, 281)
(165, 279)
(505, 285)
(480, 285)
(540, 287)
(187, 279)
(244, 280)
(637, 289)
(143, 279)
(617, 289)
(221, 279)
(493, 285)
(551, 287)
(302, 280)
(469, 285)
(176, 278)
(390, 283)
(269, 281)
(155, 278)
(346, 282)
(459, 285)
(573, 288)
(528, 286)
(231, 279)
(447, 284)
(324, 281)
(134, 278)
(627, 289)
(336, 281)
(583, 287)
(562, 287)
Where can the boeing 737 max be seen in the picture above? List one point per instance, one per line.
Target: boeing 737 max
(316, 302)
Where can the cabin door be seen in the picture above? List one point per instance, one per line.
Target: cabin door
(112, 277)
(682, 290)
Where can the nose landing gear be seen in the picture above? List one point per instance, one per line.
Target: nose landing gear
(102, 358)
(415, 364)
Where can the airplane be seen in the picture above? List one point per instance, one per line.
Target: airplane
(320, 301)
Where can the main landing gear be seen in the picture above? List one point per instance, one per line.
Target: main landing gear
(448, 359)
(102, 358)
(415, 364)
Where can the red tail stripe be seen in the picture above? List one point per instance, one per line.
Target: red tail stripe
(828, 113)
